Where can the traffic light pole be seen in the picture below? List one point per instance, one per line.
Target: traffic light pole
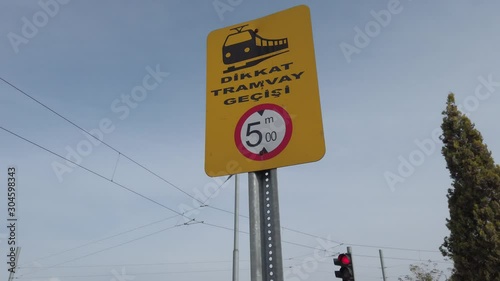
(266, 260)
(382, 264)
(349, 251)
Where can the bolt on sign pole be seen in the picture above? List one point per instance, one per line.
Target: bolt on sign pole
(265, 235)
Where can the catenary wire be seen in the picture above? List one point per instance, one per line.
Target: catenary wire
(100, 251)
(338, 242)
(149, 199)
(211, 195)
(148, 235)
(175, 186)
(93, 172)
(402, 259)
(101, 239)
(134, 274)
(101, 141)
(171, 184)
(138, 264)
(360, 245)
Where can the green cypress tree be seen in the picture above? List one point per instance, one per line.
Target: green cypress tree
(473, 200)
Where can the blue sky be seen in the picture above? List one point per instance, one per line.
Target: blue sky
(380, 107)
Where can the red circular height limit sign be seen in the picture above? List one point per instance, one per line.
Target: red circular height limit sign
(263, 132)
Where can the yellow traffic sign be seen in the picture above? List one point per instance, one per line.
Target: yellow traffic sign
(263, 106)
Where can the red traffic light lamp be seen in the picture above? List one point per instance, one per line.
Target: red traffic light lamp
(344, 260)
(345, 272)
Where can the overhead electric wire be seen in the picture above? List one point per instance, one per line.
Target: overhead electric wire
(100, 251)
(137, 264)
(402, 259)
(128, 189)
(144, 236)
(134, 274)
(227, 211)
(101, 239)
(158, 176)
(103, 177)
(103, 142)
(300, 256)
(360, 245)
(212, 225)
(95, 173)
(311, 235)
(170, 183)
(211, 195)
(338, 242)
(283, 241)
(145, 197)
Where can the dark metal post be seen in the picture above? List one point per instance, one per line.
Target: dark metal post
(349, 250)
(382, 264)
(18, 252)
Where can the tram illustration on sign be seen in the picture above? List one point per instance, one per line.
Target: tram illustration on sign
(249, 48)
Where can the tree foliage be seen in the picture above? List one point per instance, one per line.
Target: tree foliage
(473, 200)
(425, 272)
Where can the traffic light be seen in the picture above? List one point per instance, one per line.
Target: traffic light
(346, 271)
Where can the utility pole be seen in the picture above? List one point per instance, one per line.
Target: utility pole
(11, 274)
(236, 255)
(382, 264)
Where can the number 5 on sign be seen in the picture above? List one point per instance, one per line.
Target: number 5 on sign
(263, 132)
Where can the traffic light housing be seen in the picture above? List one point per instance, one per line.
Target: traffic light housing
(346, 270)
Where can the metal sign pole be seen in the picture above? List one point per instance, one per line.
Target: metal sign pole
(236, 254)
(266, 260)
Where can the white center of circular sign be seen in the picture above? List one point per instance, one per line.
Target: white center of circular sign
(263, 132)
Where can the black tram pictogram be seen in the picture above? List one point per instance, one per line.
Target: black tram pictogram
(246, 45)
